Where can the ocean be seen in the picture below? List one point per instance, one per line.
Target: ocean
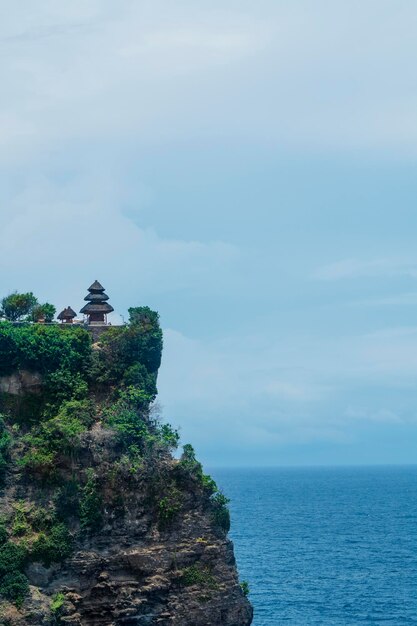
(326, 546)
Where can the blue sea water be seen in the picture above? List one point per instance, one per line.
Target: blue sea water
(326, 546)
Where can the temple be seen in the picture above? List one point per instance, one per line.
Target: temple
(67, 315)
(97, 308)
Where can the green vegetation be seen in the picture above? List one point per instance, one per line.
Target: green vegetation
(13, 583)
(169, 506)
(43, 312)
(18, 305)
(131, 354)
(188, 465)
(20, 524)
(52, 546)
(14, 586)
(57, 604)
(4, 535)
(91, 504)
(200, 575)
(56, 436)
(5, 444)
(139, 438)
(44, 349)
(43, 536)
(25, 306)
(67, 500)
(221, 513)
(37, 537)
(12, 557)
(244, 585)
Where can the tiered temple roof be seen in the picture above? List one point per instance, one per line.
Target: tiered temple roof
(96, 308)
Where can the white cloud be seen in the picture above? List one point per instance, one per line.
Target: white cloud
(91, 71)
(299, 75)
(64, 231)
(359, 268)
(407, 299)
(379, 416)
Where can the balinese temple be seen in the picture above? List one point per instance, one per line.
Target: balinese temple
(97, 307)
(67, 315)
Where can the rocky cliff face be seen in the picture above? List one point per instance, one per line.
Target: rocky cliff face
(138, 568)
(100, 525)
(21, 383)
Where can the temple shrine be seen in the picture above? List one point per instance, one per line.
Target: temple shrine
(67, 316)
(97, 307)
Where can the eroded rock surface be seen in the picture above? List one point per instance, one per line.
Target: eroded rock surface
(131, 570)
(20, 383)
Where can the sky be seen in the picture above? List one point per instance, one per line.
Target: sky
(248, 169)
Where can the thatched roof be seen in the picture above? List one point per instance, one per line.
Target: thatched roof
(67, 313)
(97, 307)
(96, 287)
(96, 297)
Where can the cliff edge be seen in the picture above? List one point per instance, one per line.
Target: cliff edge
(99, 524)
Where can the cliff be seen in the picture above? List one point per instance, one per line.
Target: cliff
(100, 524)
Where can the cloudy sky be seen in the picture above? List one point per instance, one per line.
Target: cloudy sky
(249, 170)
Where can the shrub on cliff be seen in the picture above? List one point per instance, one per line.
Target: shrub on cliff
(169, 506)
(3, 532)
(189, 466)
(90, 503)
(14, 587)
(62, 384)
(221, 513)
(138, 434)
(200, 575)
(56, 436)
(5, 443)
(130, 354)
(52, 546)
(145, 336)
(138, 376)
(67, 499)
(12, 558)
(37, 537)
(57, 605)
(9, 359)
(44, 349)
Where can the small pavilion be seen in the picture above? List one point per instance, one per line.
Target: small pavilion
(97, 307)
(67, 315)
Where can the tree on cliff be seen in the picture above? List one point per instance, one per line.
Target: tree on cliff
(17, 305)
(44, 312)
